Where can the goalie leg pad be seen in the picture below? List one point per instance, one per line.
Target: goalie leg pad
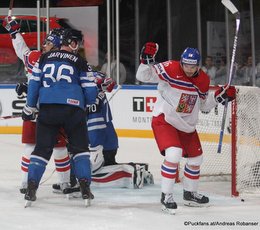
(96, 158)
(138, 175)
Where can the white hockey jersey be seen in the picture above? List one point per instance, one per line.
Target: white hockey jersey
(23, 52)
(180, 97)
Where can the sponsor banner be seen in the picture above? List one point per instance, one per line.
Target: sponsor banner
(131, 108)
(10, 105)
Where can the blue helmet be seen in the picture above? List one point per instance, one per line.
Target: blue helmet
(54, 37)
(190, 56)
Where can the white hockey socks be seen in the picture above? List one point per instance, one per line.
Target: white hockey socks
(62, 163)
(25, 161)
(192, 174)
(169, 168)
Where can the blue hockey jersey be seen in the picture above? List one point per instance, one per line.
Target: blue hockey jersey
(101, 130)
(61, 77)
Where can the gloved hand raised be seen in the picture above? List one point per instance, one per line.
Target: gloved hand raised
(222, 94)
(108, 85)
(148, 53)
(12, 26)
(29, 113)
(104, 83)
(21, 90)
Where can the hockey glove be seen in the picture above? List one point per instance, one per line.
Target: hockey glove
(21, 90)
(29, 113)
(104, 83)
(148, 53)
(222, 94)
(108, 85)
(12, 26)
(99, 75)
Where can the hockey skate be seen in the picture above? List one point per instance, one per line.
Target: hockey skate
(194, 199)
(23, 188)
(168, 204)
(87, 196)
(30, 194)
(67, 188)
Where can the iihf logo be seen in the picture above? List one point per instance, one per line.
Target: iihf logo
(143, 104)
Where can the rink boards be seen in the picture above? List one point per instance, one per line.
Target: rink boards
(132, 113)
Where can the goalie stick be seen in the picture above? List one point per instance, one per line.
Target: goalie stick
(230, 6)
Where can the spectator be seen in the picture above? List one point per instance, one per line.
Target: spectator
(221, 73)
(245, 73)
(258, 74)
(210, 69)
(122, 70)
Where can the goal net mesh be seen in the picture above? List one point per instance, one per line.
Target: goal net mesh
(218, 166)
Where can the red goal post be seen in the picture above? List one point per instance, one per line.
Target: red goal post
(239, 161)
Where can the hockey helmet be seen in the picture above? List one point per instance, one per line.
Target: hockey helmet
(190, 56)
(70, 35)
(54, 37)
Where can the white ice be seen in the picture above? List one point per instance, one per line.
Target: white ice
(116, 208)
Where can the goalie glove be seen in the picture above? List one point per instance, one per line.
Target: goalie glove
(29, 113)
(148, 53)
(21, 90)
(222, 94)
(12, 26)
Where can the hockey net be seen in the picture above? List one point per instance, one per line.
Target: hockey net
(239, 160)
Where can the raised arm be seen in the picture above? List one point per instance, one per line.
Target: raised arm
(146, 72)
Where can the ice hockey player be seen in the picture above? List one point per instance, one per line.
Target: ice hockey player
(103, 139)
(183, 91)
(62, 97)
(29, 58)
(101, 131)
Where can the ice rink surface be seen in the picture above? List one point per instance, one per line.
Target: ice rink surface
(116, 208)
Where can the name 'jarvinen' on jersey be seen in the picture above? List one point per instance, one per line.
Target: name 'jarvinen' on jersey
(63, 56)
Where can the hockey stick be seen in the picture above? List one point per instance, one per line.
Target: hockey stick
(230, 6)
(20, 115)
(10, 116)
(13, 116)
(115, 92)
(11, 3)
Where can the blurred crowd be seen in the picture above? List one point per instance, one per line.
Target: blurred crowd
(243, 73)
